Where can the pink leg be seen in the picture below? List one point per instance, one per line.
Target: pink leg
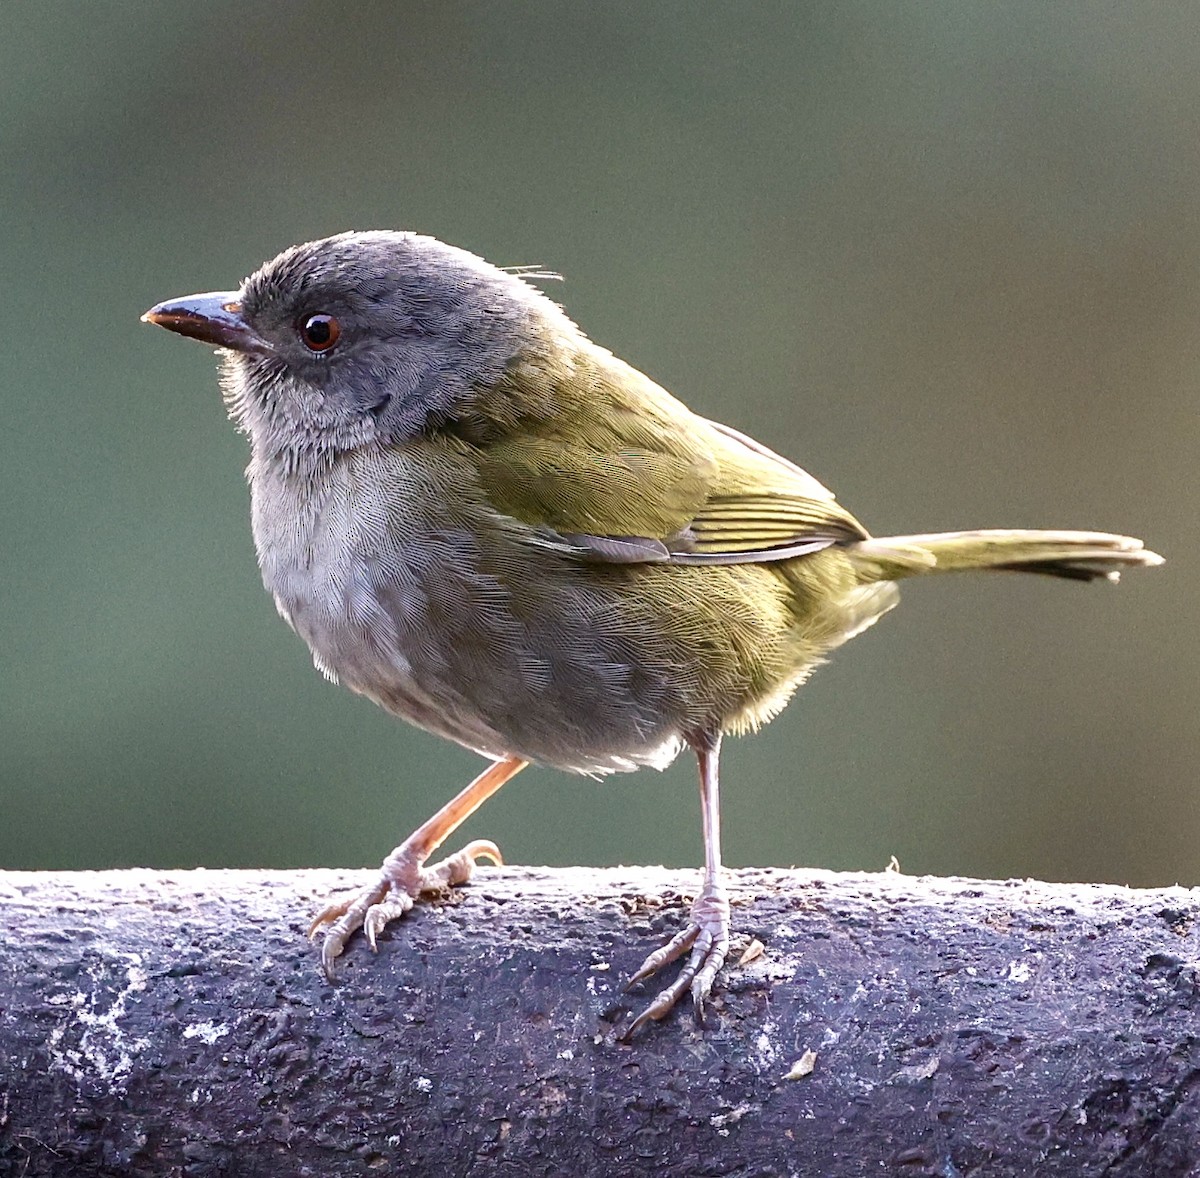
(404, 876)
(707, 935)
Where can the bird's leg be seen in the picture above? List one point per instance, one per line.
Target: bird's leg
(707, 935)
(404, 876)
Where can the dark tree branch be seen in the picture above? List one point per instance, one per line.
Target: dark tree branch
(176, 1023)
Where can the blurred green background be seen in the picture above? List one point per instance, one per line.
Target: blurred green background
(945, 256)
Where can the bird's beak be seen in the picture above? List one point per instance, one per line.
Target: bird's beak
(214, 318)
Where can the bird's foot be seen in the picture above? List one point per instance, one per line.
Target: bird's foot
(707, 936)
(402, 881)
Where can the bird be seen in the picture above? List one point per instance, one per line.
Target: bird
(502, 533)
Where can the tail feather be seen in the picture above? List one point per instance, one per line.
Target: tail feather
(1079, 556)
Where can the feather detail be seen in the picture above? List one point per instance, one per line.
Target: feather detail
(603, 464)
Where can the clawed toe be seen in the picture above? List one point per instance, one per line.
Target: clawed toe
(380, 914)
(707, 936)
(457, 868)
(400, 884)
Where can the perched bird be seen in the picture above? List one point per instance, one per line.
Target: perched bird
(500, 532)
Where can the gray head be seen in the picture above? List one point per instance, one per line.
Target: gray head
(361, 338)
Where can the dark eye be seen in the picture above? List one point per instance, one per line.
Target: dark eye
(319, 332)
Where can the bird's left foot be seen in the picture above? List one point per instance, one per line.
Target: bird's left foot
(402, 880)
(707, 936)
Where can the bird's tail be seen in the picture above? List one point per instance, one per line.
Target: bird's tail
(1079, 556)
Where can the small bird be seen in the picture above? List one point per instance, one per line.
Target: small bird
(502, 533)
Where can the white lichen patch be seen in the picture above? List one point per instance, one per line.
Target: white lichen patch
(778, 966)
(722, 1121)
(1018, 971)
(765, 1054)
(595, 987)
(91, 1042)
(206, 1031)
(921, 1070)
(829, 1037)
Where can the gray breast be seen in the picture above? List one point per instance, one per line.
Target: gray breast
(402, 607)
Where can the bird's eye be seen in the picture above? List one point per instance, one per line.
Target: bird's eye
(319, 332)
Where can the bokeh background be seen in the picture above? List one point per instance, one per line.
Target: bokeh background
(946, 256)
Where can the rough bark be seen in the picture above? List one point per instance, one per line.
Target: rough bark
(176, 1023)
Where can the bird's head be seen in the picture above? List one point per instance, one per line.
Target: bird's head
(361, 338)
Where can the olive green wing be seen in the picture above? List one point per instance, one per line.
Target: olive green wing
(630, 474)
(765, 506)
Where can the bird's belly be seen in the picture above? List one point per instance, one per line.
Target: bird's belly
(478, 677)
(356, 642)
(482, 639)
(424, 628)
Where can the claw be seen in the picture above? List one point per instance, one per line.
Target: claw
(379, 914)
(330, 951)
(327, 915)
(660, 1007)
(484, 849)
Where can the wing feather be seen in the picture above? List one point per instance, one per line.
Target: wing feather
(628, 473)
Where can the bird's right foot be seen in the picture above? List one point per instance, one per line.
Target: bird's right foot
(707, 936)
